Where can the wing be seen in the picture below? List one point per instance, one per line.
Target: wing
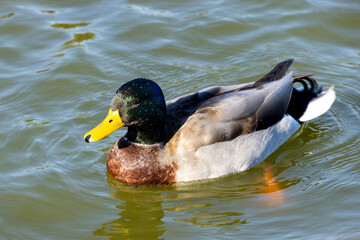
(224, 117)
(179, 109)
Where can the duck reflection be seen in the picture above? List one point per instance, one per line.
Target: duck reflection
(143, 209)
(140, 212)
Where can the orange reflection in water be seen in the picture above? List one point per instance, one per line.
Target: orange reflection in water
(273, 194)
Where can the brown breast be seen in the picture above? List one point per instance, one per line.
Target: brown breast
(139, 164)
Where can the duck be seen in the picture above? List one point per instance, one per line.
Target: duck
(216, 131)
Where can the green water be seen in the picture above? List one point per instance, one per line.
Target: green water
(62, 61)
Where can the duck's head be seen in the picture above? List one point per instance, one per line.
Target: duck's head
(139, 105)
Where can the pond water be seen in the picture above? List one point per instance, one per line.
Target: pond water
(62, 61)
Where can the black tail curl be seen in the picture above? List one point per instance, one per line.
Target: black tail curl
(300, 98)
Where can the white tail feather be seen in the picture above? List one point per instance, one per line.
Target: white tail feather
(319, 105)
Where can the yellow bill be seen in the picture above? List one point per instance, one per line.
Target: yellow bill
(106, 127)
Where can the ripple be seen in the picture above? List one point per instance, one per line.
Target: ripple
(7, 15)
(148, 11)
(215, 219)
(78, 38)
(70, 25)
(48, 11)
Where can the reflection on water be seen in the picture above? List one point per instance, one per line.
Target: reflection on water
(35, 122)
(48, 11)
(215, 219)
(69, 25)
(7, 15)
(59, 55)
(78, 38)
(272, 189)
(138, 219)
(203, 203)
(140, 213)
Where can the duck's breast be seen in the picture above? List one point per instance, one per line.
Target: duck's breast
(140, 164)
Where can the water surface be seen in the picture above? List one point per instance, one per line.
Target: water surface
(62, 61)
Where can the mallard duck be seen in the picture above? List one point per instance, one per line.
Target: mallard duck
(207, 134)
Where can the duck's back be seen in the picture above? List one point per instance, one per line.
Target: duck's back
(227, 116)
(181, 108)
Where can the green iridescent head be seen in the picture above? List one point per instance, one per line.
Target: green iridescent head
(140, 105)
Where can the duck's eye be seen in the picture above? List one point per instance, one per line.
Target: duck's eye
(136, 101)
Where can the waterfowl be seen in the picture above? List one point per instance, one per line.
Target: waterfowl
(207, 134)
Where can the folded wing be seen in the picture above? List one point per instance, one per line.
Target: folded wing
(224, 117)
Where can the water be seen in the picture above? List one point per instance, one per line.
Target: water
(61, 62)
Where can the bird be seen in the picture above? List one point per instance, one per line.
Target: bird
(213, 132)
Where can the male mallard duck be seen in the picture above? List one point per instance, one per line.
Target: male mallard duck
(207, 134)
